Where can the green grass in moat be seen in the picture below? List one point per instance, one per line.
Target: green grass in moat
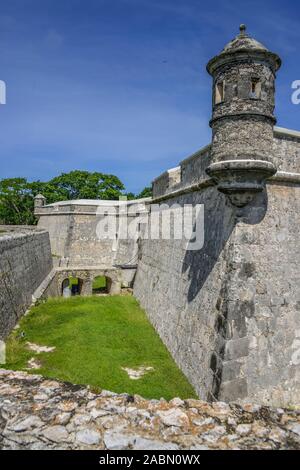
(94, 338)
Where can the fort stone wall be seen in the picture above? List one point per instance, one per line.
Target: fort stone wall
(286, 150)
(73, 228)
(25, 261)
(261, 306)
(179, 288)
(229, 312)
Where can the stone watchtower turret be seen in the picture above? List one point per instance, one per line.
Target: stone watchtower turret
(242, 121)
(39, 201)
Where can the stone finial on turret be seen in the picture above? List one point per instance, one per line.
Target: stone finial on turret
(243, 30)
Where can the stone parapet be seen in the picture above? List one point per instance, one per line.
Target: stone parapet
(41, 414)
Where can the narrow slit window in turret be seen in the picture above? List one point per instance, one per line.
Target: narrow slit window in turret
(219, 93)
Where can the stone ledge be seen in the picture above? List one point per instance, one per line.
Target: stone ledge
(285, 177)
(40, 414)
(282, 131)
(280, 177)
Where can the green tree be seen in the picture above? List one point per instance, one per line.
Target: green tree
(51, 192)
(146, 192)
(130, 196)
(17, 194)
(84, 185)
(16, 202)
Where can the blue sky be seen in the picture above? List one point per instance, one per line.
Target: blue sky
(120, 86)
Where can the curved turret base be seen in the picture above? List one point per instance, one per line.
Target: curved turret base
(240, 180)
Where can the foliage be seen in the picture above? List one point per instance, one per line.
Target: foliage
(95, 337)
(84, 185)
(146, 192)
(17, 194)
(130, 196)
(16, 202)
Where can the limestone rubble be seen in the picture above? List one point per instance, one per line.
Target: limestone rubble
(38, 413)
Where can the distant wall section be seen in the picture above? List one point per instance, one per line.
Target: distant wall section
(25, 261)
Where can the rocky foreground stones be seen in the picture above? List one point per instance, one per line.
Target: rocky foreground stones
(36, 413)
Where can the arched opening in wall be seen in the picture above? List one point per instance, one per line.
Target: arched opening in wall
(71, 286)
(101, 285)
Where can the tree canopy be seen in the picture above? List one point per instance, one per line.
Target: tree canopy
(147, 192)
(16, 202)
(84, 185)
(17, 194)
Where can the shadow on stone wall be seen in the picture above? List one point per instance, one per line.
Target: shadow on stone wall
(219, 223)
(220, 220)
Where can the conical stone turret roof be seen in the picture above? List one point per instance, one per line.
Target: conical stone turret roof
(246, 46)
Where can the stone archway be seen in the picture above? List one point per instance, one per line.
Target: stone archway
(71, 286)
(85, 276)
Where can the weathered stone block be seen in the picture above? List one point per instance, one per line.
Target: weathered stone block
(236, 348)
(230, 370)
(233, 390)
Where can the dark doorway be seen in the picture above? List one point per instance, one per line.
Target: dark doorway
(71, 286)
